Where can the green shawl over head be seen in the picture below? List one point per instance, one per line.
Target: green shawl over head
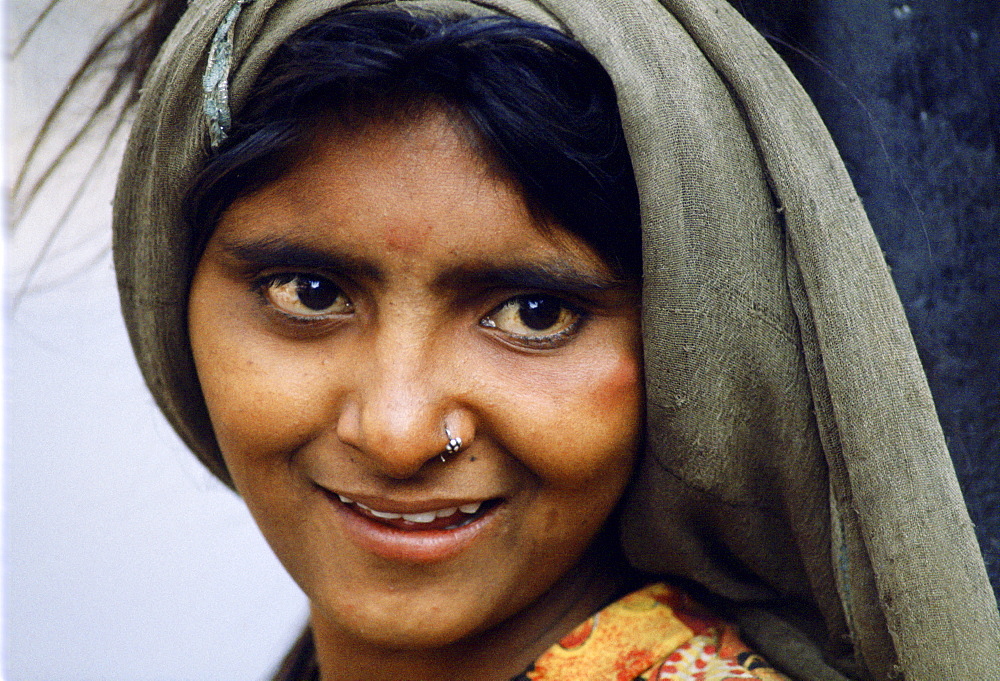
(794, 464)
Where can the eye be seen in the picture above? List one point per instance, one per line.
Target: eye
(306, 295)
(534, 318)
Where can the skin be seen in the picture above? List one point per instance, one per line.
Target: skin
(420, 254)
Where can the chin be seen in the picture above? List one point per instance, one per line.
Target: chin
(412, 628)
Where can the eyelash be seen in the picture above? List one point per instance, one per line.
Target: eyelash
(571, 327)
(268, 288)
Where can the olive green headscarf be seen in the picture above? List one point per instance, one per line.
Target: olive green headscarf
(794, 463)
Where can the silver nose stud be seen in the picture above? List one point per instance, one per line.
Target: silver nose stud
(454, 445)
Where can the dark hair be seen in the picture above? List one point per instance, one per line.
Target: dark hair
(540, 109)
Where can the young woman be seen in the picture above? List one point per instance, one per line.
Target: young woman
(450, 308)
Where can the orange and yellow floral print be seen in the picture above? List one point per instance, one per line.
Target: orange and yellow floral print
(655, 634)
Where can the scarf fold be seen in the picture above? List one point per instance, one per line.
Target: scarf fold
(794, 464)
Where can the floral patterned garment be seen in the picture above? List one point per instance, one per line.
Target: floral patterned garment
(655, 634)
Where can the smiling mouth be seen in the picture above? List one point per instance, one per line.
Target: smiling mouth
(449, 518)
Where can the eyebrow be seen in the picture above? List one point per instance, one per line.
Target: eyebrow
(278, 252)
(555, 277)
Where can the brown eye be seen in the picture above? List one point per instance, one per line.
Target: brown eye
(306, 295)
(534, 317)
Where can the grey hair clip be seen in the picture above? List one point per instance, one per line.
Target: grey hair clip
(215, 82)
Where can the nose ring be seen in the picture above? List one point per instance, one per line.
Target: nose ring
(454, 445)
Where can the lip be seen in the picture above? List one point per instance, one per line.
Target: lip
(413, 544)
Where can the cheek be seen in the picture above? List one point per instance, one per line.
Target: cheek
(618, 389)
(582, 429)
(259, 397)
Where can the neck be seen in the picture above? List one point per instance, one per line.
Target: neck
(497, 654)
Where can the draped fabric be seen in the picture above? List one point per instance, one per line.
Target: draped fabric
(793, 464)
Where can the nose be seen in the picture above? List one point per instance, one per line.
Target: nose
(396, 412)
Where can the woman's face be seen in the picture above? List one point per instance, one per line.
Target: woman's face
(384, 288)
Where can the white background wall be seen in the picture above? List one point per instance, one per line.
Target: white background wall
(123, 558)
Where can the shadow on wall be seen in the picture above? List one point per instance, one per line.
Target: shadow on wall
(908, 92)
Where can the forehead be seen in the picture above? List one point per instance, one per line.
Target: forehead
(415, 191)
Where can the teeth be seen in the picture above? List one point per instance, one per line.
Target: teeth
(380, 514)
(425, 517)
(420, 517)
